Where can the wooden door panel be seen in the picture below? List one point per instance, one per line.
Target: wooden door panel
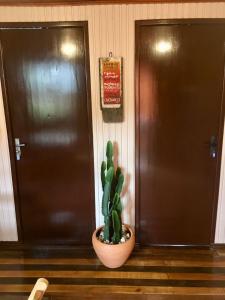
(180, 83)
(47, 86)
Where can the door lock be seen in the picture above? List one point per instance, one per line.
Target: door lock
(18, 148)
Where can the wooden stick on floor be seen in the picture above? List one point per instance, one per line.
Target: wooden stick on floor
(39, 289)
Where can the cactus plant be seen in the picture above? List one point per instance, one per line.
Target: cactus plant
(112, 184)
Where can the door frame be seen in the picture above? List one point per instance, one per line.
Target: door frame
(40, 26)
(138, 24)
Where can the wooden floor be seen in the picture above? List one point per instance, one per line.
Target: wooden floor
(153, 273)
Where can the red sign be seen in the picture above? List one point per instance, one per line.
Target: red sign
(111, 82)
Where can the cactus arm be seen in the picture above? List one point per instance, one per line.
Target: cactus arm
(114, 203)
(117, 227)
(109, 154)
(106, 193)
(109, 175)
(105, 199)
(106, 204)
(119, 184)
(117, 204)
(119, 207)
(109, 164)
(103, 168)
(109, 150)
(106, 229)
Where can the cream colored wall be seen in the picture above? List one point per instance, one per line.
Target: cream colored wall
(220, 226)
(111, 28)
(8, 230)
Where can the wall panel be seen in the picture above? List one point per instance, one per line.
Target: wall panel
(111, 28)
(8, 229)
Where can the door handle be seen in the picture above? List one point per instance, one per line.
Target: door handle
(213, 146)
(18, 146)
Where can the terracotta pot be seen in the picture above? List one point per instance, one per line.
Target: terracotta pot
(113, 256)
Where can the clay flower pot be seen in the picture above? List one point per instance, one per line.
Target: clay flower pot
(113, 256)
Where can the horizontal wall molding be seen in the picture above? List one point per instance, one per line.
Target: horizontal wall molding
(92, 2)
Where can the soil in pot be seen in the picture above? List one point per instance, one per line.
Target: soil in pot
(125, 236)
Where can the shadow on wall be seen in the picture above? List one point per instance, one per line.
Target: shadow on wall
(128, 207)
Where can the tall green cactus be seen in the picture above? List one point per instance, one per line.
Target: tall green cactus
(112, 184)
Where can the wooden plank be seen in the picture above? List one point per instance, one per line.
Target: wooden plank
(176, 263)
(57, 261)
(108, 282)
(138, 290)
(109, 290)
(92, 274)
(147, 261)
(113, 275)
(125, 268)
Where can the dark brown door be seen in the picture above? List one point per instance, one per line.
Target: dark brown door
(48, 102)
(180, 70)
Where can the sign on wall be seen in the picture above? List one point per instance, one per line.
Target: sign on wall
(111, 89)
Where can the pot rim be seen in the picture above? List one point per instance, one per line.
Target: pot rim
(94, 237)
